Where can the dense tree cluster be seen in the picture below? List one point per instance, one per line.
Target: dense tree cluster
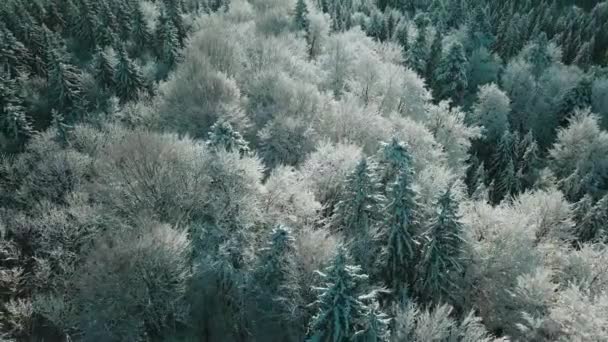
(303, 170)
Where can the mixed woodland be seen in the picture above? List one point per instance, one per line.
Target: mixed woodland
(303, 170)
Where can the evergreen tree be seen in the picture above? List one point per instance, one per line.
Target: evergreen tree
(301, 16)
(538, 54)
(479, 28)
(129, 79)
(64, 81)
(441, 262)
(504, 172)
(376, 326)
(584, 57)
(451, 77)
(592, 227)
(223, 135)
(342, 314)
(402, 38)
(277, 297)
(87, 27)
(396, 235)
(418, 53)
(434, 60)
(140, 31)
(478, 189)
(13, 120)
(14, 56)
(358, 211)
(174, 9)
(579, 97)
(167, 42)
(393, 159)
(105, 71)
(527, 161)
(106, 36)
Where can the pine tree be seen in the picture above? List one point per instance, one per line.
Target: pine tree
(13, 121)
(223, 135)
(105, 33)
(341, 314)
(129, 80)
(441, 261)
(451, 77)
(584, 57)
(105, 70)
(396, 235)
(301, 16)
(358, 211)
(277, 297)
(479, 28)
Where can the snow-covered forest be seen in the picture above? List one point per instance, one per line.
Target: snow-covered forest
(303, 170)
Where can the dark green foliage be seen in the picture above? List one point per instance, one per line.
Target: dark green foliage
(222, 135)
(64, 82)
(434, 61)
(129, 79)
(140, 32)
(88, 26)
(418, 53)
(342, 313)
(441, 264)
(359, 211)
(14, 56)
(579, 97)
(451, 74)
(167, 42)
(505, 174)
(105, 71)
(13, 120)
(301, 16)
(397, 234)
(393, 160)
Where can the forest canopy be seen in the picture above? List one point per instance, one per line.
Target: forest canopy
(303, 170)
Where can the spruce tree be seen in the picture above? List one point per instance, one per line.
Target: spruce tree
(140, 31)
(301, 16)
(418, 54)
(451, 77)
(341, 313)
(527, 161)
(478, 189)
(441, 263)
(434, 60)
(504, 172)
(222, 135)
(129, 79)
(579, 97)
(376, 326)
(167, 42)
(393, 157)
(538, 54)
(277, 294)
(402, 38)
(64, 81)
(396, 236)
(14, 56)
(358, 211)
(88, 26)
(13, 121)
(105, 70)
